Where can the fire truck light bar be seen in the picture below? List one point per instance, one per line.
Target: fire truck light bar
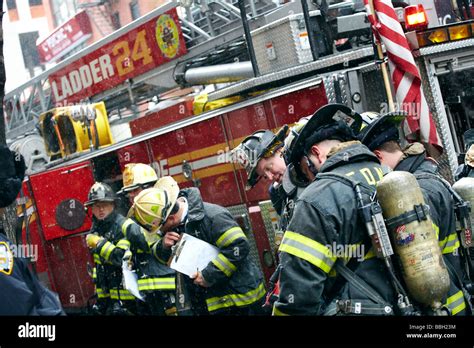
(415, 18)
(455, 32)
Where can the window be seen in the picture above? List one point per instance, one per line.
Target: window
(35, 2)
(116, 20)
(29, 50)
(11, 4)
(134, 9)
(62, 11)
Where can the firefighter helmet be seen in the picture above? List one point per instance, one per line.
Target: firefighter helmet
(382, 129)
(292, 135)
(261, 144)
(136, 175)
(100, 192)
(332, 121)
(367, 118)
(168, 184)
(152, 207)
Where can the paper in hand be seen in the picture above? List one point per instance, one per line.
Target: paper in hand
(192, 254)
(130, 281)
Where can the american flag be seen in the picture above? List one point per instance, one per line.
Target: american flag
(404, 73)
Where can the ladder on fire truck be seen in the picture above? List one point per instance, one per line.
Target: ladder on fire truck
(213, 34)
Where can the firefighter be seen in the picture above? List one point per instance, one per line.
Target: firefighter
(105, 236)
(21, 291)
(262, 156)
(231, 284)
(382, 136)
(326, 221)
(125, 239)
(137, 177)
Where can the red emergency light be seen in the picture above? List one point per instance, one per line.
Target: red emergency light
(415, 18)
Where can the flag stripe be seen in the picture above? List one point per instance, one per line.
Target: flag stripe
(404, 72)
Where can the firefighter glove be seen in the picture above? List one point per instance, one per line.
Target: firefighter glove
(92, 240)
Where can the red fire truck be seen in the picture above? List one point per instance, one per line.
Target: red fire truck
(156, 53)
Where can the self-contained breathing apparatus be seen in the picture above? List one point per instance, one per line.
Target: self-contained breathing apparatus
(422, 267)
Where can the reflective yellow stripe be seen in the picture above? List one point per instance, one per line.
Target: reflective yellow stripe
(223, 263)
(106, 250)
(127, 223)
(156, 284)
(370, 254)
(436, 229)
(94, 273)
(307, 249)
(456, 303)
(278, 313)
(450, 244)
(238, 300)
(101, 293)
(153, 249)
(229, 236)
(123, 244)
(121, 294)
(97, 259)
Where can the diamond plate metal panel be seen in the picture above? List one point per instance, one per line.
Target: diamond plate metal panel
(442, 48)
(448, 160)
(238, 211)
(322, 63)
(329, 86)
(270, 218)
(284, 37)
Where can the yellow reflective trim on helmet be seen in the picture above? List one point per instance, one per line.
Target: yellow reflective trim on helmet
(223, 264)
(238, 300)
(229, 236)
(307, 249)
(278, 313)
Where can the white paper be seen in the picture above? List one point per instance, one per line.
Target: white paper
(192, 254)
(130, 281)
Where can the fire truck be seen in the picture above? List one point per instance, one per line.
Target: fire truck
(261, 68)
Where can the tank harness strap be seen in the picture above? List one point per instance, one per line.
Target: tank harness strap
(419, 213)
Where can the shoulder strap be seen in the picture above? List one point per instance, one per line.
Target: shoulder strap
(358, 282)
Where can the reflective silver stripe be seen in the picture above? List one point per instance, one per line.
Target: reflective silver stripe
(125, 225)
(229, 236)
(456, 303)
(238, 300)
(223, 264)
(157, 284)
(307, 249)
(123, 244)
(106, 250)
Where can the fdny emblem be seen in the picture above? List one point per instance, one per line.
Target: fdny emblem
(402, 236)
(6, 259)
(167, 36)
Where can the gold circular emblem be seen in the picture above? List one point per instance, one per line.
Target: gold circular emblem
(167, 36)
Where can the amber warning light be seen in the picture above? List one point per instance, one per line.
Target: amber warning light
(415, 18)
